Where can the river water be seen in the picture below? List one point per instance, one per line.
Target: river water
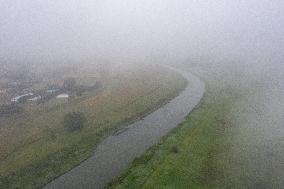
(115, 154)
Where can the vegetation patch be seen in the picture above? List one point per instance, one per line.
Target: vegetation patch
(9, 110)
(74, 121)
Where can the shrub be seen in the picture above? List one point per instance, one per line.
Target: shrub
(10, 109)
(69, 84)
(74, 121)
(175, 149)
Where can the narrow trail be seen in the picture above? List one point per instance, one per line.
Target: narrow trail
(115, 154)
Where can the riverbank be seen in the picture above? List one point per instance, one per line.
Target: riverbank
(115, 153)
(36, 148)
(232, 140)
(184, 157)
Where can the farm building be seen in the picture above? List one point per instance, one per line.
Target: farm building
(63, 96)
(52, 90)
(34, 99)
(21, 97)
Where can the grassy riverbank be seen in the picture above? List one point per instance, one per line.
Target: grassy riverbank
(194, 154)
(184, 158)
(232, 140)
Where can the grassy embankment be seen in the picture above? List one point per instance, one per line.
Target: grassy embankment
(188, 157)
(234, 139)
(35, 148)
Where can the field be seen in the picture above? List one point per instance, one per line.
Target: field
(34, 146)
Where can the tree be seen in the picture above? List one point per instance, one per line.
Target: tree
(69, 84)
(74, 121)
(10, 109)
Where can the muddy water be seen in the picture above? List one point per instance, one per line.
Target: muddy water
(116, 152)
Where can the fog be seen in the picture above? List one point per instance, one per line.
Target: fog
(141, 31)
(231, 42)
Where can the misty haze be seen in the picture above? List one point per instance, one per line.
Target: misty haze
(142, 94)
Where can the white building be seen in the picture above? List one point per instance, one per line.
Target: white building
(52, 90)
(34, 99)
(63, 96)
(16, 99)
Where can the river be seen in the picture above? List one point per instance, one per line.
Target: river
(115, 153)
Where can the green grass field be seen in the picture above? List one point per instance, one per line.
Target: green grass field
(35, 148)
(184, 158)
(231, 140)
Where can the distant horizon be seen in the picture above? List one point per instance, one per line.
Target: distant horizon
(52, 32)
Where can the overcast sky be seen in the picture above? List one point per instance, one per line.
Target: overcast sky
(47, 31)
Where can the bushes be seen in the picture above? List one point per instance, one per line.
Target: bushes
(10, 109)
(74, 121)
(175, 149)
(69, 84)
